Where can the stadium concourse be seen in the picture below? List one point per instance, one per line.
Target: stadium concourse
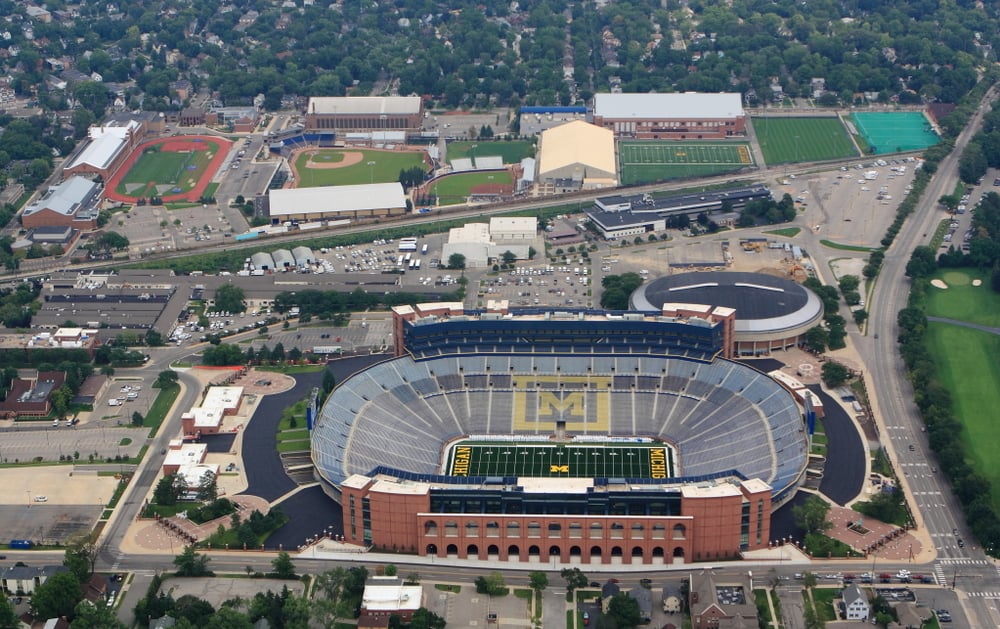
(729, 441)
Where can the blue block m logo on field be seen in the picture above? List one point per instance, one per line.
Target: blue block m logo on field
(538, 407)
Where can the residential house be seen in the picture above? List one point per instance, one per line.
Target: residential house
(856, 606)
(717, 601)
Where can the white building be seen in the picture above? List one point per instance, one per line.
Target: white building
(477, 243)
(359, 202)
(856, 603)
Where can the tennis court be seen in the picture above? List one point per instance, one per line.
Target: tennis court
(895, 132)
(642, 162)
(575, 460)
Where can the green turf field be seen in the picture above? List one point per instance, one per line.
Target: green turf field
(155, 170)
(790, 140)
(454, 189)
(895, 131)
(511, 152)
(963, 301)
(649, 161)
(385, 169)
(967, 364)
(578, 460)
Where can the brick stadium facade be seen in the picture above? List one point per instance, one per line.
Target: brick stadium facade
(671, 116)
(364, 113)
(713, 511)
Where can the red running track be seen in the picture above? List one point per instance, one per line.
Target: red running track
(174, 144)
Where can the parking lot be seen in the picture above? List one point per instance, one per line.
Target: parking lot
(468, 608)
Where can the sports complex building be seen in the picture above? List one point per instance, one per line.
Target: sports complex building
(364, 113)
(576, 436)
(687, 116)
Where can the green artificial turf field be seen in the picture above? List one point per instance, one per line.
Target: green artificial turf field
(454, 189)
(651, 160)
(155, 170)
(575, 460)
(385, 168)
(512, 152)
(795, 139)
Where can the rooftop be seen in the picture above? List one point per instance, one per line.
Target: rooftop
(669, 106)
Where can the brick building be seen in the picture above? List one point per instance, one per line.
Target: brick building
(688, 116)
(364, 113)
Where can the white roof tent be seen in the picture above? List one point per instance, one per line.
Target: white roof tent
(377, 105)
(689, 105)
(333, 199)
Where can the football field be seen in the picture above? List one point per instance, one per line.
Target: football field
(570, 460)
(802, 139)
(648, 161)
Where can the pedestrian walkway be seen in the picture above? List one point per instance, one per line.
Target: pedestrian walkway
(868, 535)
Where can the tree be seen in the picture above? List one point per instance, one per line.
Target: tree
(137, 418)
(327, 601)
(89, 615)
(834, 374)
(456, 261)
(208, 487)
(229, 298)
(816, 339)
(165, 378)
(860, 316)
(922, 263)
(618, 289)
(538, 581)
(8, 615)
(191, 563)
(624, 610)
(574, 578)
(492, 584)
(811, 514)
(166, 492)
(56, 597)
(193, 609)
(423, 618)
(390, 570)
(508, 258)
(282, 566)
(82, 549)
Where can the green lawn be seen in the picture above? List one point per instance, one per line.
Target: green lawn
(161, 168)
(385, 169)
(823, 599)
(453, 189)
(794, 139)
(967, 366)
(652, 160)
(963, 301)
(161, 406)
(511, 152)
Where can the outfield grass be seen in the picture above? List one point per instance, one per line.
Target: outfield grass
(651, 160)
(385, 169)
(511, 152)
(789, 140)
(181, 171)
(963, 301)
(454, 189)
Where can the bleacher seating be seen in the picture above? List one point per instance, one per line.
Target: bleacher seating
(721, 415)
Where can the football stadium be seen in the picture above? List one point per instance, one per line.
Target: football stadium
(570, 436)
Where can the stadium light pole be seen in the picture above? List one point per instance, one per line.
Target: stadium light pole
(371, 171)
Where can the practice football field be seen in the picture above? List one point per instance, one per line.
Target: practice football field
(802, 139)
(648, 161)
(573, 460)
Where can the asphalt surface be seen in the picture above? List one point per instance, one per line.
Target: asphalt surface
(783, 520)
(310, 513)
(844, 475)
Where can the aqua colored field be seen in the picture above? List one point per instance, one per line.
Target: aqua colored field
(590, 460)
(385, 169)
(649, 161)
(790, 140)
(162, 173)
(967, 364)
(511, 152)
(895, 132)
(454, 189)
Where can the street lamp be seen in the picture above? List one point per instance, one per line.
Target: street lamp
(472, 153)
(371, 169)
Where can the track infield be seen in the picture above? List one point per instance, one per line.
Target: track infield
(802, 139)
(649, 161)
(575, 460)
(173, 169)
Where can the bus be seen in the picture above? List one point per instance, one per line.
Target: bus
(407, 258)
(407, 244)
(418, 264)
(423, 250)
(399, 262)
(413, 265)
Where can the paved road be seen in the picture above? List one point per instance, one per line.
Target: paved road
(965, 324)
(939, 511)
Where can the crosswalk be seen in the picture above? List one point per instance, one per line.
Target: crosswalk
(984, 594)
(961, 561)
(939, 577)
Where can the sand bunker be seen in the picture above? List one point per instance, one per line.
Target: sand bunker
(977, 282)
(938, 284)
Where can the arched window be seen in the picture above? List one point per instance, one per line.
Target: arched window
(555, 530)
(596, 530)
(680, 532)
(430, 528)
